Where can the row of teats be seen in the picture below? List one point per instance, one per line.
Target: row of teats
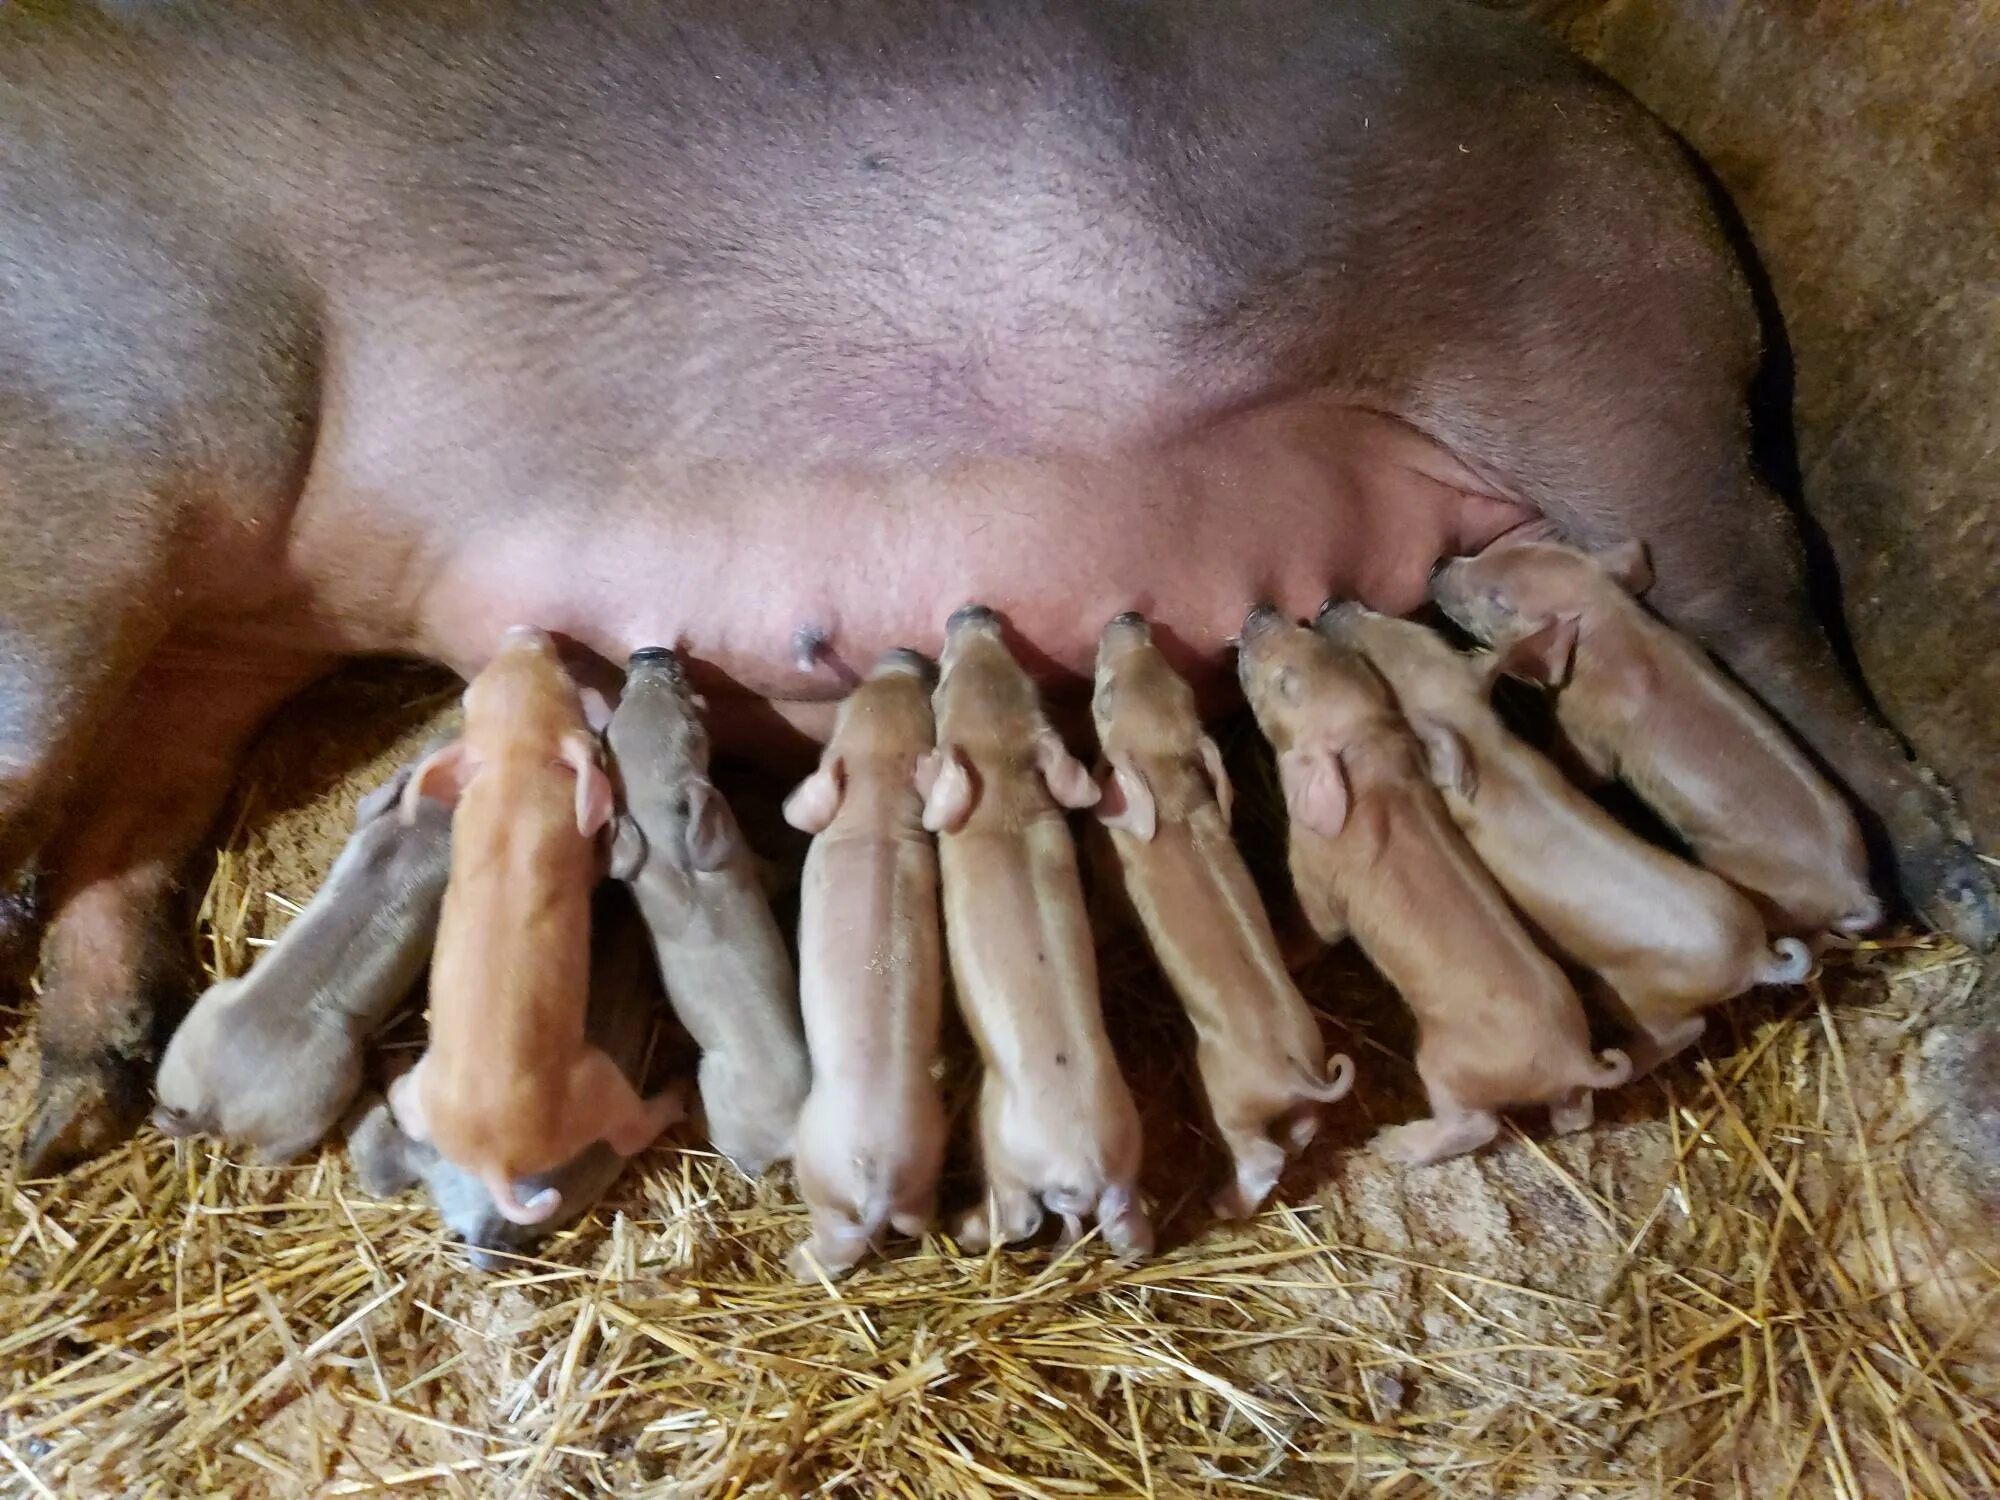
(1419, 825)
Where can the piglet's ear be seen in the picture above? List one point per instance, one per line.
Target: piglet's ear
(949, 793)
(815, 800)
(711, 828)
(1218, 776)
(383, 799)
(443, 774)
(1628, 565)
(593, 788)
(1449, 759)
(1127, 801)
(1543, 655)
(1064, 775)
(1315, 788)
(628, 850)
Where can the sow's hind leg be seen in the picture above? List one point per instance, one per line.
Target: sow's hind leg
(115, 955)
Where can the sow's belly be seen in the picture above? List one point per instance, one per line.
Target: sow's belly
(1291, 503)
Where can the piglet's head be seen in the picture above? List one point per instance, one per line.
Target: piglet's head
(1425, 672)
(1150, 733)
(522, 703)
(1312, 699)
(989, 720)
(183, 1105)
(1528, 600)
(662, 750)
(885, 727)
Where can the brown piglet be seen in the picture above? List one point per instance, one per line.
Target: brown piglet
(872, 1135)
(1374, 855)
(1166, 807)
(510, 1086)
(1666, 938)
(624, 1002)
(1057, 1125)
(272, 1059)
(1641, 702)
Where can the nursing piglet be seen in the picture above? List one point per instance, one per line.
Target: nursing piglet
(1641, 702)
(727, 973)
(624, 1000)
(510, 1087)
(272, 1059)
(872, 1135)
(1166, 805)
(1057, 1125)
(1667, 938)
(1373, 854)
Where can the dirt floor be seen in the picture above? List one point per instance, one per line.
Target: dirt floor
(1757, 1276)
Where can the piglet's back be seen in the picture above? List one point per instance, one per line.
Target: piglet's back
(1426, 910)
(1716, 766)
(511, 973)
(1014, 910)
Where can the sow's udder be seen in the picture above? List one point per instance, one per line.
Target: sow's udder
(1291, 504)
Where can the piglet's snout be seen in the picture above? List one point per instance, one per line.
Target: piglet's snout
(1123, 633)
(170, 1121)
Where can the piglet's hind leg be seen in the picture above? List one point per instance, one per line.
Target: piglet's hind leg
(1127, 1229)
(1451, 1133)
(1574, 1111)
(1010, 1213)
(1652, 1048)
(1259, 1161)
(836, 1244)
(638, 1122)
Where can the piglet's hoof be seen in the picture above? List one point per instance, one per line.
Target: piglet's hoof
(85, 1106)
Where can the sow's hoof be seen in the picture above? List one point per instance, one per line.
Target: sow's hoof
(85, 1106)
(1954, 890)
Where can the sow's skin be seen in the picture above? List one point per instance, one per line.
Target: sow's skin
(1166, 807)
(1374, 855)
(624, 1002)
(872, 1136)
(271, 1060)
(727, 973)
(1665, 938)
(1057, 1125)
(375, 328)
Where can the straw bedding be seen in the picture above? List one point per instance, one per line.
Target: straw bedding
(1756, 1277)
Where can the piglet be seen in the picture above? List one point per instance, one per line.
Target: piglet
(871, 1138)
(510, 1087)
(1057, 1125)
(1166, 805)
(1666, 938)
(728, 975)
(1373, 854)
(272, 1059)
(624, 1000)
(1639, 701)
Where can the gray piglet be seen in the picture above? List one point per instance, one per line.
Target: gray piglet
(723, 960)
(624, 1001)
(272, 1059)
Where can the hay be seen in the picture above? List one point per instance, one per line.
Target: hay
(1753, 1278)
